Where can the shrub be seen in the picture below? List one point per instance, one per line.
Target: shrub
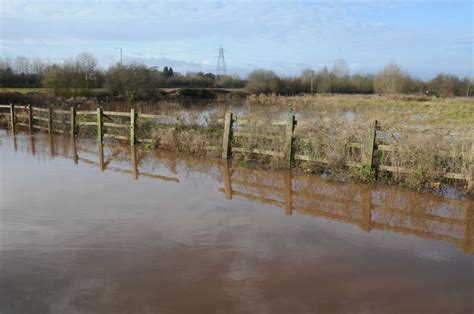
(262, 81)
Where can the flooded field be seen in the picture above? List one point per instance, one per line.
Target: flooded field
(87, 228)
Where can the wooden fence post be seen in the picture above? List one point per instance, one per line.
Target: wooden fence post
(73, 122)
(133, 117)
(227, 180)
(12, 117)
(100, 135)
(50, 120)
(52, 149)
(74, 150)
(133, 155)
(470, 179)
(288, 192)
(226, 143)
(15, 144)
(469, 230)
(32, 145)
(366, 204)
(290, 127)
(100, 148)
(369, 147)
(30, 118)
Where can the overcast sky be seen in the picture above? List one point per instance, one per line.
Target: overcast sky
(425, 37)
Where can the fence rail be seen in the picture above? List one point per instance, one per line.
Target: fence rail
(367, 148)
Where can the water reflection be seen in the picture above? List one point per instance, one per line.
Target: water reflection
(160, 233)
(368, 207)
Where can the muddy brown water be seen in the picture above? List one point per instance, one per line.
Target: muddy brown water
(88, 229)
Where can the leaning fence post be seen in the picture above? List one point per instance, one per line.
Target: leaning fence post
(73, 121)
(12, 117)
(133, 117)
(30, 118)
(100, 135)
(50, 120)
(226, 143)
(369, 147)
(290, 126)
(227, 180)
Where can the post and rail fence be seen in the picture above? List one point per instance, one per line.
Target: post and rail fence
(33, 117)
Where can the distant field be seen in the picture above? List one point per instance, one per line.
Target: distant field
(173, 89)
(23, 90)
(390, 110)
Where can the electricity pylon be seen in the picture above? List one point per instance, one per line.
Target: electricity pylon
(220, 70)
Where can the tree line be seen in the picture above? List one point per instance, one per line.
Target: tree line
(80, 76)
(391, 79)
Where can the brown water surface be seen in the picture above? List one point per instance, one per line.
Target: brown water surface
(88, 229)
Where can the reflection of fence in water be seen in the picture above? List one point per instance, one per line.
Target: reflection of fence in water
(103, 161)
(371, 208)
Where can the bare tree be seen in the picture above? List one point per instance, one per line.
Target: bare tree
(391, 80)
(263, 81)
(131, 81)
(340, 68)
(22, 65)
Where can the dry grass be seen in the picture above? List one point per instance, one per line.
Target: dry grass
(428, 155)
(328, 141)
(189, 139)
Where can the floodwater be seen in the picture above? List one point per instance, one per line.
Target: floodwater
(88, 229)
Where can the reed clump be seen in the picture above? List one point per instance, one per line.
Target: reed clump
(328, 142)
(427, 156)
(261, 135)
(189, 139)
